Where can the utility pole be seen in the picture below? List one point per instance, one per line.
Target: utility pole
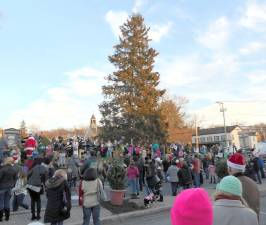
(197, 139)
(223, 110)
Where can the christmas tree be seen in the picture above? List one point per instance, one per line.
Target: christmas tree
(131, 106)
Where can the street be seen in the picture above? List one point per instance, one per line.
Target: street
(263, 211)
(23, 218)
(155, 219)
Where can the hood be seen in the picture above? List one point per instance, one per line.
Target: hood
(54, 182)
(90, 174)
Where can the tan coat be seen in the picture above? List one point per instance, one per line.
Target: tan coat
(233, 212)
(93, 193)
(251, 193)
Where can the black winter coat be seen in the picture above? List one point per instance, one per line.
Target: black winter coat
(184, 175)
(8, 177)
(256, 165)
(58, 200)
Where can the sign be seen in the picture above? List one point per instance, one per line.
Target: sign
(12, 136)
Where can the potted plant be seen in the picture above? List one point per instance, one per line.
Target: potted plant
(116, 179)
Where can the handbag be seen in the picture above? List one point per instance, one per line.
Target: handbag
(34, 188)
(81, 194)
(101, 196)
(65, 211)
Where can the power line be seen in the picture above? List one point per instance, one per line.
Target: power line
(246, 101)
(247, 114)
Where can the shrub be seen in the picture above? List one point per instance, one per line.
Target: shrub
(116, 175)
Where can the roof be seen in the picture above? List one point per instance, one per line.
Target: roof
(250, 133)
(93, 117)
(215, 130)
(11, 129)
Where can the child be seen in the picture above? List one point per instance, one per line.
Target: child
(20, 192)
(132, 175)
(62, 159)
(212, 174)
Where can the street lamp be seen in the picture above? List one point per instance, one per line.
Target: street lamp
(223, 110)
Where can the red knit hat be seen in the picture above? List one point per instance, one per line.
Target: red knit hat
(237, 161)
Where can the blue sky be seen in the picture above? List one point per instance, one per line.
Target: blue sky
(54, 56)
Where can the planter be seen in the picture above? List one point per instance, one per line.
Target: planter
(117, 197)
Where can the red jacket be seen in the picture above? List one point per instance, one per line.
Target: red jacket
(196, 165)
(30, 144)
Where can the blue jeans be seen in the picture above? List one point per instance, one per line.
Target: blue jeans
(18, 201)
(206, 171)
(174, 186)
(137, 185)
(196, 179)
(258, 176)
(147, 190)
(133, 186)
(5, 196)
(95, 210)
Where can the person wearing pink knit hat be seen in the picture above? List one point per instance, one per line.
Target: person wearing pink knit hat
(192, 207)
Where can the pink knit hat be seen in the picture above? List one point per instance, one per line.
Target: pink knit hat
(192, 207)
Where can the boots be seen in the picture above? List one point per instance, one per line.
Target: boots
(33, 217)
(38, 210)
(1, 215)
(7, 214)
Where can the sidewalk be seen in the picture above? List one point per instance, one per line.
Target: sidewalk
(23, 217)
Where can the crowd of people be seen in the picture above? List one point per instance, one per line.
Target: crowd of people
(77, 165)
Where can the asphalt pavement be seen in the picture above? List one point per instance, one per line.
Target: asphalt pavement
(155, 219)
(263, 211)
(147, 218)
(164, 218)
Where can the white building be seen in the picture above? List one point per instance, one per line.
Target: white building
(212, 136)
(248, 139)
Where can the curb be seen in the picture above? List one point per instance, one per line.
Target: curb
(120, 218)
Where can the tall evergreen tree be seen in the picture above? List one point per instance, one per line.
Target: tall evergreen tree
(131, 106)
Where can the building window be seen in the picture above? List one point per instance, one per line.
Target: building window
(216, 138)
(223, 137)
(209, 139)
(202, 140)
(195, 140)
